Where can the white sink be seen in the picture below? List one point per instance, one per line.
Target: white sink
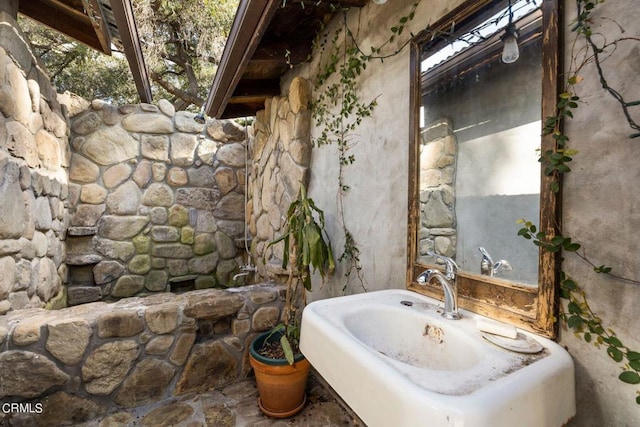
(396, 362)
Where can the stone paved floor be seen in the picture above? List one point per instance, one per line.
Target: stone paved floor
(235, 406)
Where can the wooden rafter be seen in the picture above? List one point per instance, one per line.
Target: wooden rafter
(267, 38)
(123, 14)
(65, 19)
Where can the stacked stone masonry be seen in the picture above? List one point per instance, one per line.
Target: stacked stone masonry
(34, 157)
(280, 156)
(156, 200)
(438, 152)
(94, 359)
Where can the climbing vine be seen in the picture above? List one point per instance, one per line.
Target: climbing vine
(338, 110)
(576, 312)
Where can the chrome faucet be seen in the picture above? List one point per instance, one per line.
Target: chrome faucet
(488, 267)
(448, 282)
(245, 270)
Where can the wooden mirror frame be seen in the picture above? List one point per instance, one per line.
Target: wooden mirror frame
(528, 307)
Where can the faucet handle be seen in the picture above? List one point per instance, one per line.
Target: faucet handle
(425, 277)
(451, 266)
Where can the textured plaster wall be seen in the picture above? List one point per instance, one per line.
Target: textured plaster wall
(600, 208)
(376, 205)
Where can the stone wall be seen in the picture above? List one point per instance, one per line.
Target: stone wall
(34, 156)
(156, 201)
(90, 360)
(280, 156)
(437, 231)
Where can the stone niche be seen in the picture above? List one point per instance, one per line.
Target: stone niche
(156, 201)
(94, 359)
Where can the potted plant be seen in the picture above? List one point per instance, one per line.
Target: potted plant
(281, 370)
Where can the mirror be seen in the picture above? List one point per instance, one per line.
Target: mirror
(476, 137)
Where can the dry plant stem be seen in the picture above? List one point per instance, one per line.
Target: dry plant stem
(295, 298)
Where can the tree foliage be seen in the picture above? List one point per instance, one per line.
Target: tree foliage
(182, 44)
(76, 68)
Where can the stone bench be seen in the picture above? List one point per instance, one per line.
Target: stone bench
(80, 362)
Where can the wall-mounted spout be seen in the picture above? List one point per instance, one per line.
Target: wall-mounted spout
(245, 270)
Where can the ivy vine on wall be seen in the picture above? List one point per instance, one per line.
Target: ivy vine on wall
(338, 110)
(576, 312)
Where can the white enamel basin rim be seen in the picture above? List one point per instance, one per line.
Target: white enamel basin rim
(402, 365)
(400, 333)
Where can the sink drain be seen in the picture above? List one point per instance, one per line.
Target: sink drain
(407, 303)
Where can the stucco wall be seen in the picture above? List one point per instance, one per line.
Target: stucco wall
(376, 205)
(600, 201)
(601, 211)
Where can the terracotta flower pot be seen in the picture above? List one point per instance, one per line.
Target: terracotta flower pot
(281, 386)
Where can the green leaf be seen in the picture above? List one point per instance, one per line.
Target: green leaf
(635, 364)
(569, 284)
(587, 337)
(614, 341)
(629, 377)
(602, 269)
(571, 247)
(574, 308)
(286, 347)
(574, 322)
(633, 355)
(615, 354)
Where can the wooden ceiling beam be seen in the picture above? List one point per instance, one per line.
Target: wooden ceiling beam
(232, 111)
(260, 88)
(249, 25)
(351, 3)
(123, 14)
(291, 53)
(64, 19)
(259, 51)
(99, 23)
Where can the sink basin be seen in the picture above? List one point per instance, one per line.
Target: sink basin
(402, 335)
(395, 361)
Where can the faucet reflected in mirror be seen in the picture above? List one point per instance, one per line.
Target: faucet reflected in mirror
(448, 283)
(488, 267)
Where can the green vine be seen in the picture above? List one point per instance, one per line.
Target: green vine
(338, 111)
(578, 314)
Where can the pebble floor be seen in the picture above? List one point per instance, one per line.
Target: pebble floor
(234, 406)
